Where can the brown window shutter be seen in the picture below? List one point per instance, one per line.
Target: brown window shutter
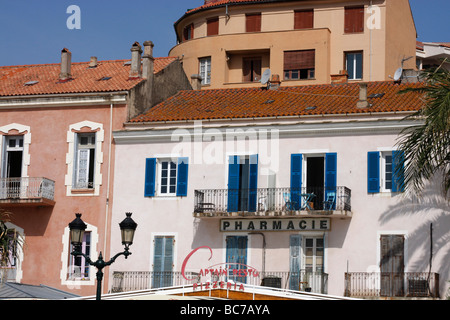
(253, 22)
(246, 70)
(354, 19)
(304, 19)
(256, 69)
(302, 59)
(251, 69)
(212, 26)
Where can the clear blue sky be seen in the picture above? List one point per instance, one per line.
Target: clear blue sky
(35, 31)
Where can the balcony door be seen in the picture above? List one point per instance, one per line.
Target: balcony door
(242, 183)
(12, 166)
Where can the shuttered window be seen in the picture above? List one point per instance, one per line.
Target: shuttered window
(299, 64)
(251, 69)
(304, 19)
(253, 22)
(354, 19)
(212, 26)
(168, 177)
(236, 255)
(163, 254)
(385, 171)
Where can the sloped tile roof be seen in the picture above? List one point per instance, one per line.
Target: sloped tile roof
(286, 101)
(21, 80)
(11, 290)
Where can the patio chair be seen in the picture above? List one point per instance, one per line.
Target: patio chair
(328, 204)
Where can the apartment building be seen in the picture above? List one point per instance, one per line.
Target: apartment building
(291, 187)
(232, 43)
(57, 154)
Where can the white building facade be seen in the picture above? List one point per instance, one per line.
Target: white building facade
(310, 201)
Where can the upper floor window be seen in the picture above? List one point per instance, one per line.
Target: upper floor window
(304, 19)
(354, 65)
(385, 171)
(166, 177)
(188, 32)
(205, 70)
(354, 19)
(85, 161)
(299, 64)
(253, 22)
(212, 26)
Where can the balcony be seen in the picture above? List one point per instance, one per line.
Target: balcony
(392, 285)
(315, 282)
(27, 192)
(267, 202)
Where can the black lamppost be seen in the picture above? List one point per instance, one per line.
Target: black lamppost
(77, 228)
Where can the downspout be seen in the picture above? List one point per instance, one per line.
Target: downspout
(370, 48)
(108, 182)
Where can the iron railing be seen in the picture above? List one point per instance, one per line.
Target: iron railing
(124, 281)
(27, 188)
(271, 200)
(390, 284)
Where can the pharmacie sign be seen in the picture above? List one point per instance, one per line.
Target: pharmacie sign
(305, 224)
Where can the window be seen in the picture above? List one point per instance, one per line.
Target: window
(354, 19)
(242, 183)
(78, 267)
(85, 161)
(12, 157)
(354, 65)
(166, 177)
(253, 22)
(304, 19)
(251, 69)
(212, 26)
(385, 171)
(314, 173)
(188, 32)
(163, 256)
(205, 70)
(313, 254)
(299, 64)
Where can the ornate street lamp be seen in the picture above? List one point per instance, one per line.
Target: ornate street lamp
(77, 228)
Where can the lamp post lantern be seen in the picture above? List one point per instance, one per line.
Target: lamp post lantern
(77, 228)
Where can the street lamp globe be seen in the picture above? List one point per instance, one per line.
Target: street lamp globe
(77, 228)
(127, 227)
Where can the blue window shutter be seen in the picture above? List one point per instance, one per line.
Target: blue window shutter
(331, 175)
(296, 180)
(162, 261)
(233, 184)
(398, 171)
(150, 177)
(182, 176)
(253, 184)
(295, 243)
(236, 255)
(373, 172)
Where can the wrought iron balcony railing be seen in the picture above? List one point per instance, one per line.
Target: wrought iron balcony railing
(316, 282)
(389, 284)
(271, 201)
(27, 190)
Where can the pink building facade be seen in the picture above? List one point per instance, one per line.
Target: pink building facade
(56, 152)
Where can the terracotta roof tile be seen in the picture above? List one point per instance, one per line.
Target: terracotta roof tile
(286, 101)
(44, 78)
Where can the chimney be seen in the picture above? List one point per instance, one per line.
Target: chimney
(196, 82)
(275, 82)
(362, 103)
(66, 63)
(93, 62)
(136, 51)
(148, 60)
(342, 77)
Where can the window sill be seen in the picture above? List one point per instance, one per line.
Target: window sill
(83, 191)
